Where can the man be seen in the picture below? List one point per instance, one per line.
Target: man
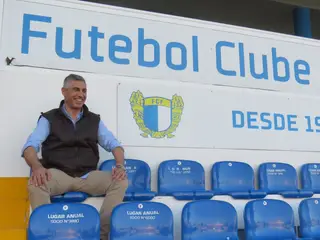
(69, 137)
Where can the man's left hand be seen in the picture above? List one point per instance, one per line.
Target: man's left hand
(118, 174)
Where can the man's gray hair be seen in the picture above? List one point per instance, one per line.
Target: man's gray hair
(72, 77)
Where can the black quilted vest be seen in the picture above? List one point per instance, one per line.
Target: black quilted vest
(71, 148)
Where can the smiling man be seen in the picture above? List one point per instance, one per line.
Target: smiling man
(68, 137)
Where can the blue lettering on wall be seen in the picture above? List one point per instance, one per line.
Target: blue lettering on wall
(76, 52)
(150, 52)
(264, 74)
(95, 35)
(114, 48)
(264, 121)
(275, 63)
(313, 124)
(118, 44)
(301, 68)
(304, 71)
(27, 33)
(292, 121)
(238, 119)
(271, 121)
(195, 54)
(219, 55)
(142, 43)
(183, 51)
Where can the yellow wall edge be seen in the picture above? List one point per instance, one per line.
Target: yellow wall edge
(14, 207)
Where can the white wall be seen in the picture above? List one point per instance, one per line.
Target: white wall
(195, 55)
(29, 91)
(205, 133)
(206, 124)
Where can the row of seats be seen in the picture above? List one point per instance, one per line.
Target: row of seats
(185, 180)
(201, 219)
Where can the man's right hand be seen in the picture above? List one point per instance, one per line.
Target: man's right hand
(40, 176)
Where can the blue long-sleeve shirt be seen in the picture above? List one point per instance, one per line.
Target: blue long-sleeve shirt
(105, 137)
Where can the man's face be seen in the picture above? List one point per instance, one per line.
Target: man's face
(75, 94)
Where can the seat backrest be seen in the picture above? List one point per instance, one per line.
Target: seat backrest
(209, 219)
(269, 219)
(180, 175)
(138, 172)
(277, 177)
(73, 221)
(309, 215)
(141, 220)
(310, 177)
(230, 176)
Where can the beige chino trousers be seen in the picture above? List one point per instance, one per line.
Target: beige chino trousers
(97, 183)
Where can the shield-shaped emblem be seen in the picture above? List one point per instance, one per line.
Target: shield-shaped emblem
(156, 117)
(157, 113)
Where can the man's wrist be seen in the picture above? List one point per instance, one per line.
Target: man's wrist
(120, 166)
(36, 166)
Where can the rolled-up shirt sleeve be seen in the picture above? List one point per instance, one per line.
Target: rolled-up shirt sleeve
(106, 138)
(38, 136)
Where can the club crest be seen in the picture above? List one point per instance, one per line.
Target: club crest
(156, 117)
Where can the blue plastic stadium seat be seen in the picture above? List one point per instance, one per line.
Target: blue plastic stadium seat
(182, 179)
(68, 197)
(235, 179)
(72, 221)
(269, 219)
(139, 177)
(309, 215)
(310, 177)
(209, 219)
(281, 178)
(141, 221)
